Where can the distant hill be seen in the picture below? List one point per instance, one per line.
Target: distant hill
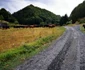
(5, 15)
(35, 15)
(78, 12)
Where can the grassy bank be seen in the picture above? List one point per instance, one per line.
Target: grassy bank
(12, 57)
(82, 28)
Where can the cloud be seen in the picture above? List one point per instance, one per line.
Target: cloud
(59, 7)
(13, 5)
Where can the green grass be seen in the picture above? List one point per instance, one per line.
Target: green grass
(13, 57)
(82, 29)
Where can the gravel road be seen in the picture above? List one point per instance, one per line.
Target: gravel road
(66, 53)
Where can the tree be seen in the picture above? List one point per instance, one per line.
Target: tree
(78, 12)
(63, 20)
(5, 15)
(1, 17)
(42, 24)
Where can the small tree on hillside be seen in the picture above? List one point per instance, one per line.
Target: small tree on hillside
(63, 20)
(1, 17)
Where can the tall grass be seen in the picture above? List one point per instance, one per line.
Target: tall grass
(36, 40)
(12, 38)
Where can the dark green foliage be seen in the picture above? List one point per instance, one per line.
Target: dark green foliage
(81, 20)
(1, 17)
(64, 20)
(5, 15)
(78, 12)
(34, 15)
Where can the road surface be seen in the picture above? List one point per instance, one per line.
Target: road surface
(66, 53)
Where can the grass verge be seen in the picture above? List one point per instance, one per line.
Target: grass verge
(82, 29)
(13, 57)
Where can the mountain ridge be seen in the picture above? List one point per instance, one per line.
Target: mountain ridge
(35, 15)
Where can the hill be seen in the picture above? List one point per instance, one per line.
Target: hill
(35, 15)
(78, 12)
(5, 15)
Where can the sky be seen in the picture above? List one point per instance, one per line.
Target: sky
(58, 7)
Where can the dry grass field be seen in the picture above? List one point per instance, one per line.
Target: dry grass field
(11, 38)
(17, 45)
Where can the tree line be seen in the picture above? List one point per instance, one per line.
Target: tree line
(32, 15)
(78, 12)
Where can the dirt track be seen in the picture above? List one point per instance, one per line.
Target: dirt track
(66, 53)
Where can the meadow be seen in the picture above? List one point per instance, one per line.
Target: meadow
(12, 38)
(16, 45)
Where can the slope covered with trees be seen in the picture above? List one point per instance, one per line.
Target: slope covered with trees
(5, 15)
(34, 15)
(78, 12)
(64, 20)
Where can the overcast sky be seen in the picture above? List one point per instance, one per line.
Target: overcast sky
(59, 7)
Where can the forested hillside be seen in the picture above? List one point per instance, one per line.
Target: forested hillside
(5, 15)
(78, 12)
(34, 15)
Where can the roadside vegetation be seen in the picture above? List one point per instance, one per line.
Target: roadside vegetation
(82, 28)
(17, 45)
(71, 24)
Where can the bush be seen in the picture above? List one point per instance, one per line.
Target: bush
(81, 20)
